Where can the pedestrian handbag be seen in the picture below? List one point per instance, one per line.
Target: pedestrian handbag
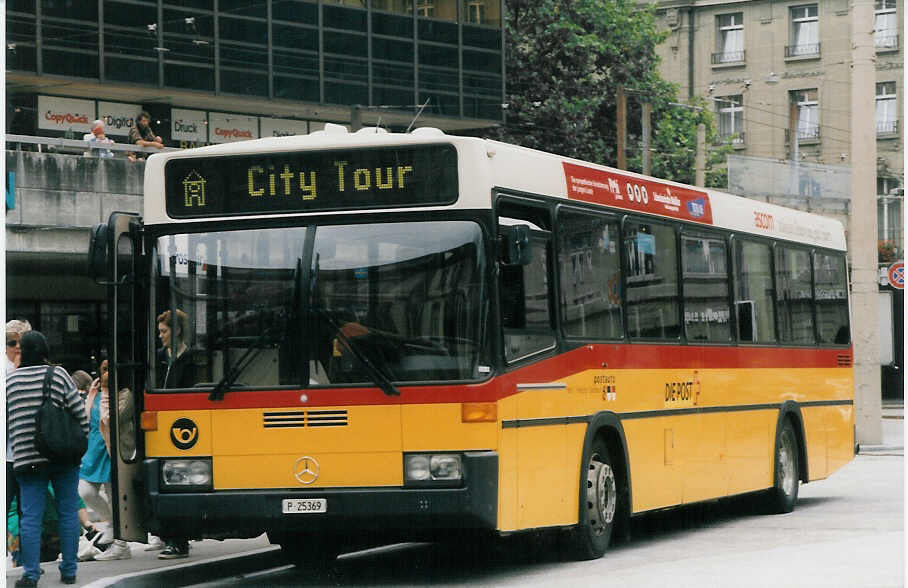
(58, 434)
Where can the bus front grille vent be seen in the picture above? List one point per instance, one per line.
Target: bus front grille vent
(843, 360)
(305, 418)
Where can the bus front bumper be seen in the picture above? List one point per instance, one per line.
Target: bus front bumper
(399, 511)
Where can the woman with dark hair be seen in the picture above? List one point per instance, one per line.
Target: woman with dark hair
(24, 391)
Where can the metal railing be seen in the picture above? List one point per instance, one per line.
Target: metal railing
(805, 50)
(809, 134)
(75, 146)
(728, 57)
(887, 127)
(730, 139)
(886, 42)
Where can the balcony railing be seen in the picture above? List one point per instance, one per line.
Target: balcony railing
(728, 57)
(887, 128)
(74, 146)
(732, 139)
(887, 42)
(804, 50)
(811, 133)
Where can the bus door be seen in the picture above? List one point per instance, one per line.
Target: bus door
(126, 328)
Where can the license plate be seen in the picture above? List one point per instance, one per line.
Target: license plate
(303, 505)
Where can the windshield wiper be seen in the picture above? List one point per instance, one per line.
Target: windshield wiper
(234, 372)
(377, 375)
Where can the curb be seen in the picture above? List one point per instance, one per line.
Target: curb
(876, 449)
(196, 572)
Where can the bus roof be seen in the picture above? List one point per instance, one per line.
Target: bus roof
(485, 164)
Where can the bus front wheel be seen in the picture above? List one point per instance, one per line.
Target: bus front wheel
(591, 537)
(784, 493)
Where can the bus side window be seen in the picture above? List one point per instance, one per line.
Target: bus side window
(831, 297)
(525, 303)
(794, 295)
(754, 292)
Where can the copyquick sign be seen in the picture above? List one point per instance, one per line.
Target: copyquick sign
(65, 114)
(227, 128)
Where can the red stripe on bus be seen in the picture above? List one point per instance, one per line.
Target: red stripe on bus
(587, 357)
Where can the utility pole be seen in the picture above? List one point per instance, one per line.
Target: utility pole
(621, 121)
(700, 161)
(646, 138)
(793, 144)
(862, 231)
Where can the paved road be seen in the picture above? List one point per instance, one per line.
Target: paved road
(847, 531)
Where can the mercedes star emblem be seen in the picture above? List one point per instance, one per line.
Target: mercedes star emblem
(306, 470)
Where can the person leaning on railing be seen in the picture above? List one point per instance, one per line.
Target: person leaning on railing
(95, 138)
(143, 136)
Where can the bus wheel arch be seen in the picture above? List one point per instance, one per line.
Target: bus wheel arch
(791, 411)
(603, 469)
(789, 460)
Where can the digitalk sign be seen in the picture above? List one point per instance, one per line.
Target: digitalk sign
(118, 117)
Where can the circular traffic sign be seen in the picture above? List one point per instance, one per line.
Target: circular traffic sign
(897, 275)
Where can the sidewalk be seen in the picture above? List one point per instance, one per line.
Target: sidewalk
(144, 561)
(893, 424)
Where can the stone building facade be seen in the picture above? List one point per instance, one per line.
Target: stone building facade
(774, 68)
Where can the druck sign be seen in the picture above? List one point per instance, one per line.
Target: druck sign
(188, 125)
(65, 114)
(632, 193)
(283, 127)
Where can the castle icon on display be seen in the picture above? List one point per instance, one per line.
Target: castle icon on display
(194, 189)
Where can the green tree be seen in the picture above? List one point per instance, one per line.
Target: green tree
(565, 60)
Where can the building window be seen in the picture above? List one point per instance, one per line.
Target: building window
(807, 124)
(887, 119)
(890, 197)
(805, 32)
(730, 38)
(730, 111)
(885, 27)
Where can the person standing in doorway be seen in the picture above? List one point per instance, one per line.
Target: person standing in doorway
(95, 470)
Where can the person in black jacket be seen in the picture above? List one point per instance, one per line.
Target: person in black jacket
(175, 365)
(174, 369)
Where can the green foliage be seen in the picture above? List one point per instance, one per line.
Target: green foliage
(565, 59)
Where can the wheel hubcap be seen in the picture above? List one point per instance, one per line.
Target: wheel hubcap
(601, 495)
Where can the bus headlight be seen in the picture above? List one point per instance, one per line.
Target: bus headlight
(424, 469)
(185, 474)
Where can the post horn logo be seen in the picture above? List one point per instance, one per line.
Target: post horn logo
(184, 433)
(306, 470)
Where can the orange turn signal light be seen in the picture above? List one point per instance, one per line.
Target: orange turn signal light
(149, 420)
(478, 412)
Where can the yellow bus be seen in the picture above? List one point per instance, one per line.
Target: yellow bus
(412, 335)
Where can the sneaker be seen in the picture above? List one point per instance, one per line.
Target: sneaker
(26, 582)
(119, 550)
(67, 579)
(154, 544)
(174, 551)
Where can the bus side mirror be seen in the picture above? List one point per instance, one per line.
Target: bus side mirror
(97, 253)
(516, 250)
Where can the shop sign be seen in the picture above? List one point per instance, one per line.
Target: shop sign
(118, 117)
(283, 127)
(226, 128)
(188, 125)
(65, 114)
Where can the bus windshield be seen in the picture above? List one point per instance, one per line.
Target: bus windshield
(260, 309)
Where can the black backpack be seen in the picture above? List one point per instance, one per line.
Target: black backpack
(58, 434)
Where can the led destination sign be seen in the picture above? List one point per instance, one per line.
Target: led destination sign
(311, 181)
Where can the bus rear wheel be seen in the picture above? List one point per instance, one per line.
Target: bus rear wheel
(598, 508)
(784, 493)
